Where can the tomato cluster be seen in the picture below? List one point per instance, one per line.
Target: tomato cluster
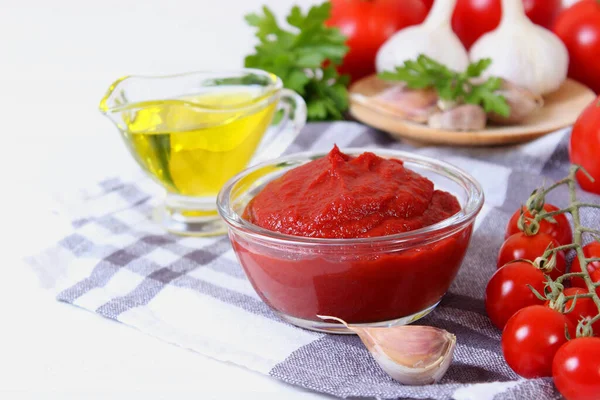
(535, 336)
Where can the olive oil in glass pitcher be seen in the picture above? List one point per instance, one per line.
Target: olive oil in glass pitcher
(193, 132)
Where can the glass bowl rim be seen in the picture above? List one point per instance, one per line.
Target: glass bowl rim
(274, 87)
(448, 226)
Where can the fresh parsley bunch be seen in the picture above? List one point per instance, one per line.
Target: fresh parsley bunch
(305, 58)
(450, 85)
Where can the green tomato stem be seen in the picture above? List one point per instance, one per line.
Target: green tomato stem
(590, 230)
(556, 184)
(582, 205)
(579, 296)
(577, 237)
(559, 248)
(570, 275)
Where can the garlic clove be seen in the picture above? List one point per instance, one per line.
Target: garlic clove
(522, 103)
(466, 117)
(410, 354)
(411, 104)
(434, 38)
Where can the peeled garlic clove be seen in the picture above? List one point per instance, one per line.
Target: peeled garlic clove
(410, 354)
(411, 104)
(522, 103)
(467, 117)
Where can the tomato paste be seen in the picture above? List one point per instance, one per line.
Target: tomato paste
(343, 197)
(340, 196)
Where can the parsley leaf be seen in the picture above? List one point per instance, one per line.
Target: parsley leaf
(299, 55)
(425, 72)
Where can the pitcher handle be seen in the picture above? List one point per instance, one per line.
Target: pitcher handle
(286, 130)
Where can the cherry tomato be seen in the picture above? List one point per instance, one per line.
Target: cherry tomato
(584, 307)
(368, 24)
(507, 291)
(473, 18)
(521, 246)
(579, 28)
(585, 145)
(576, 369)
(589, 250)
(561, 230)
(530, 339)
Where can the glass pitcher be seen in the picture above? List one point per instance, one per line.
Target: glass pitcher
(192, 132)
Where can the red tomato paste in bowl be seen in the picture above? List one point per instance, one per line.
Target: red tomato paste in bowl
(339, 196)
(359, 237)
(361, 289)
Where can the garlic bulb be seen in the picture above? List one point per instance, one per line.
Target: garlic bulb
(410, 354)
(522, 52)
(434, 38)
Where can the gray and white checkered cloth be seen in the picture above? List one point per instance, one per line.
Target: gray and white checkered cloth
(192, 292)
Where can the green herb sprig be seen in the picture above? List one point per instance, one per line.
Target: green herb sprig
(450, 85)
(304, 57)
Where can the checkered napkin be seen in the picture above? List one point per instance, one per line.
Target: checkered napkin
(192, 292)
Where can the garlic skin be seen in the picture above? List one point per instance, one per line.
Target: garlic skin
(522, 103)
(434, 38)
(465, 117)
(410, 104)
(410, 354)
(522, 52)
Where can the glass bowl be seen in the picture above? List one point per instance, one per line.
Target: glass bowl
(376, 281)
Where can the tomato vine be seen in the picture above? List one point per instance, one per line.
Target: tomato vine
(554, 288)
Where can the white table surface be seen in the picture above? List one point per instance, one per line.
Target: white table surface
(57, 58)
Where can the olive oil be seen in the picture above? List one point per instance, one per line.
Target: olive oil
(192, 145)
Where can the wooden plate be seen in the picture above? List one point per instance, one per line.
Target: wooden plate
(560, 110)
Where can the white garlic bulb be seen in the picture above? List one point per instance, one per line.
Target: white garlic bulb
(523, 53)
(434, 38)
(410, 354)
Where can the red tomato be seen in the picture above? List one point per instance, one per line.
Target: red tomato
(585, 145)
(428, 4)
(561, 230)
(579, 28)
(576, 369)
(473, 18)
(583, 308)
(530, 339)
(543, 12)
(507, 291)
(368, 24)
(589, 250)
(521, 246)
